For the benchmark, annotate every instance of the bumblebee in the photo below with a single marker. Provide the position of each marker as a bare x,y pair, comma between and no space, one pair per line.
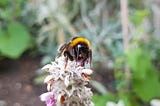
78,49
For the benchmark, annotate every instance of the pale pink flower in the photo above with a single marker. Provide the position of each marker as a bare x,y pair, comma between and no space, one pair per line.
48,98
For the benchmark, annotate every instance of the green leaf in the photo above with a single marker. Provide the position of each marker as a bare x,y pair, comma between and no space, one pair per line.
147,88
145,79
139,62
3,2
129,100
138,16
100,100
6,14
14,41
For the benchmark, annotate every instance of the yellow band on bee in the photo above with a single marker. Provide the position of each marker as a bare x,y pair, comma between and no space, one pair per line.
80,40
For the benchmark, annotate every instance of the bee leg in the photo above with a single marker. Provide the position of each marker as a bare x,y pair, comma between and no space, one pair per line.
66,62
66,59
90,58
82,64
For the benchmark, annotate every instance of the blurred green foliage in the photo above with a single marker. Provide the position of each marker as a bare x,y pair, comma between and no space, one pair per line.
138,16
100,100
14,36
144,80
142,85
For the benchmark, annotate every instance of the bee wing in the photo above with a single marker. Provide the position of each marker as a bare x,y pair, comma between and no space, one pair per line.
61,49
90,57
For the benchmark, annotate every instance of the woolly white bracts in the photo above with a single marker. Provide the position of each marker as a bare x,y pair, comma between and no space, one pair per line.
67,85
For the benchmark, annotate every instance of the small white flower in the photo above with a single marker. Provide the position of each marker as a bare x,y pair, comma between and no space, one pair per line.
111,104
120,103
155,102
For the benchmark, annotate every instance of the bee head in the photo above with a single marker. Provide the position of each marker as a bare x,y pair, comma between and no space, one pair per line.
81,52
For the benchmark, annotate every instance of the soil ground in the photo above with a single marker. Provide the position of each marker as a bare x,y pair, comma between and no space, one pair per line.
16,82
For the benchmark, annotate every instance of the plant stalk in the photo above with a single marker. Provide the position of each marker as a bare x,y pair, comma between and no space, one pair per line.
125,32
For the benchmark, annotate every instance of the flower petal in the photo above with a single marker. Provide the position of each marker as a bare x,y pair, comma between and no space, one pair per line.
87,71
46,96
49,87
48,79
46,67
66,81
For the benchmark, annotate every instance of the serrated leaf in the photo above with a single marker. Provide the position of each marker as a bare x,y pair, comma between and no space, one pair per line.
14,41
